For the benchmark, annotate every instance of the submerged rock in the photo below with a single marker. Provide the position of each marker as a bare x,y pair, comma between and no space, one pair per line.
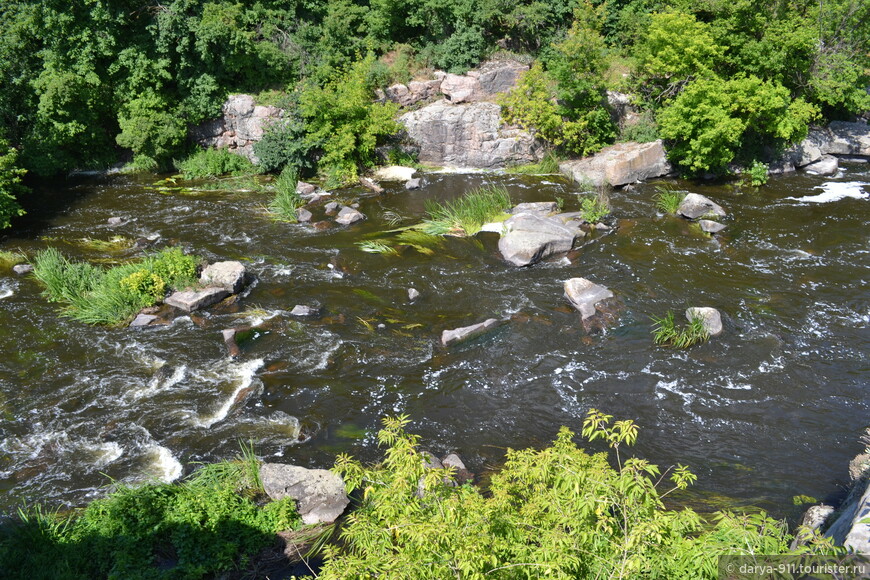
695,206
228,275
190,300
22,269
413,184
319,493
711,227
229,336
142,320
457,335
413,294
302,310
529,238
348,216
115,221
584,294
710,316
619,164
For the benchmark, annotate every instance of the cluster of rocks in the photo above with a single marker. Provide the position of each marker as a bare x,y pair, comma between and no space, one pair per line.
697,207
242,125
216,282
820,152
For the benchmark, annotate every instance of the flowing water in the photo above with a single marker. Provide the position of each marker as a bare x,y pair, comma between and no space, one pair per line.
769,410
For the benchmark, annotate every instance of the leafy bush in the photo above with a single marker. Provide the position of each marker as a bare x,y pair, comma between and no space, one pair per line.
559,512
713,120
667,332
283,145
466,215
112,296
10,184
594,208
152,130
758,173
342,121
207,525
207,163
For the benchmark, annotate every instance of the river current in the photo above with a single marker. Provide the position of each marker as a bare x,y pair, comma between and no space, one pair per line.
769,410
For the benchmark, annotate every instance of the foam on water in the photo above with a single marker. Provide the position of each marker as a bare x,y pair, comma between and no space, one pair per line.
162,464
835,191
241,376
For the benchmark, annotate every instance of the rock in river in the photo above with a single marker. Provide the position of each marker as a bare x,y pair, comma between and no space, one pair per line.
695,206
585,294
348,216
529,238
710,316
190,300
457,335
319,493
228,275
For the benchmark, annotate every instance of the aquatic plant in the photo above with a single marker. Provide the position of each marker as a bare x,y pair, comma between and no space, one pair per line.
96,296
287,200
466,215
377,247
667,332
213,522
210,163
594,208
548,165
668,200
9,259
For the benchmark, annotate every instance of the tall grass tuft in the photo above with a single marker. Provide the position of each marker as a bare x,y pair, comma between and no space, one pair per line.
466,215
668,200
210,163
667,332
286,201
96,296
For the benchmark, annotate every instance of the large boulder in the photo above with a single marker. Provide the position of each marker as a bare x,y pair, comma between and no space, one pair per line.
319,494
243,124
826,165
457,335
529,238
849,138
468,135
695,206
227,275
619,164
584,294
460,88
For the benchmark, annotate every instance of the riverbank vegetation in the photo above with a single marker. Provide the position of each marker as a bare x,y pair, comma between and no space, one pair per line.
215,521
722,82
95,295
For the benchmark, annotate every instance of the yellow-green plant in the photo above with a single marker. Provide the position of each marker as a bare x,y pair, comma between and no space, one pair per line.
667,332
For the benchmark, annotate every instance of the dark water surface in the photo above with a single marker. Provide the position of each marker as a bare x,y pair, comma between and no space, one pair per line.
769,410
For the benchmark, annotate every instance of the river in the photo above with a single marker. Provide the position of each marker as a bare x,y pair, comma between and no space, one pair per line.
769,410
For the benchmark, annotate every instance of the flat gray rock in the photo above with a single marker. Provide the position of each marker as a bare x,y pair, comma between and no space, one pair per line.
319,493
457,335
227,275
348,216
619,164
142,320
543,208
303,215
584,294
695,206
302,310
190,300
22,269
710,316
529,238
711,227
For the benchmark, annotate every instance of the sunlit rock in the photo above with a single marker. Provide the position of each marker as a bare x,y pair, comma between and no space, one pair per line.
319,494
457,335
695,206
709,316
227,275
584,295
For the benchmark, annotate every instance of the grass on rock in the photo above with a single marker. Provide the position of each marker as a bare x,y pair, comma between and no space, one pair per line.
466,215
667,332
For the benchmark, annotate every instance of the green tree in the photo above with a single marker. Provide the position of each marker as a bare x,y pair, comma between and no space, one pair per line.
713,120
10,184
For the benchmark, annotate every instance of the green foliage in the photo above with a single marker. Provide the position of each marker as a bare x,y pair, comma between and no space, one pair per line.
465,215
668,200
152,130
712,120
283,145
558,513
208,163
112,296
377,247
207,525
286,201
9,259
643,130
10,185
594,208
667,332
548,165
343,122
757,173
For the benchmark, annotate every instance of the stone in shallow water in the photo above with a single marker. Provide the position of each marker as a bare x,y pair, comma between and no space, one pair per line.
695,206
302,310
710,316
584,294
303,215
348,216
227,275
827,165
543,208
190,300
457,335
530,238
413,294
711,227
319,493
22,269
143,320
412,184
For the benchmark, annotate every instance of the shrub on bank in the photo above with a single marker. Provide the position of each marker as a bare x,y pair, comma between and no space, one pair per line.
96,296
